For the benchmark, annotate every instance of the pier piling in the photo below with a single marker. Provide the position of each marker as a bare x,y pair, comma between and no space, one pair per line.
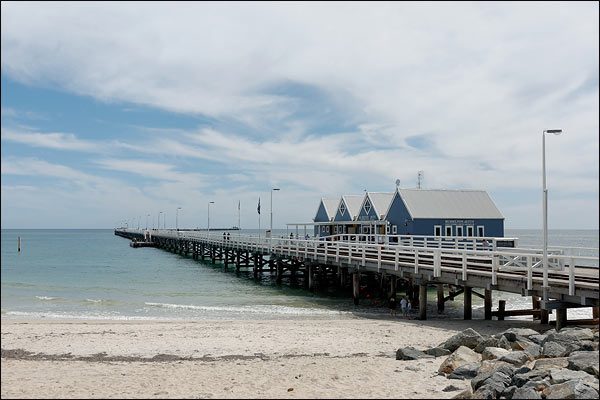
423,301
468,303
487,304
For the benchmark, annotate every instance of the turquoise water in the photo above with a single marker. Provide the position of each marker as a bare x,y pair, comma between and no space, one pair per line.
95,274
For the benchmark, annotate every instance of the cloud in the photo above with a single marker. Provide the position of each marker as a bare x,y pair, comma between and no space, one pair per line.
58,141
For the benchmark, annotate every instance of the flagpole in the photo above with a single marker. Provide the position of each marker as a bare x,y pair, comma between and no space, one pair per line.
239,227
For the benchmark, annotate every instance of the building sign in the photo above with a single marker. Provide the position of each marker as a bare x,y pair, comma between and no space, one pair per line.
459,222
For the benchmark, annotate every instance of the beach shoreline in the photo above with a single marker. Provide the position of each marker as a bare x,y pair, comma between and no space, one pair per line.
291,358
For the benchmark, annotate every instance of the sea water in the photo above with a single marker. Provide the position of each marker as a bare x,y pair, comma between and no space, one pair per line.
93,274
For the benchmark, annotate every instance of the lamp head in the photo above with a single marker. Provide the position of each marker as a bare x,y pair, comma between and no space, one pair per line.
554,131
275,189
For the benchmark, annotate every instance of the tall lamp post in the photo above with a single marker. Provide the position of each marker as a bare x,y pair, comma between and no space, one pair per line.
165,220
208,224
147,215
158,227
177,219
272,190
545,211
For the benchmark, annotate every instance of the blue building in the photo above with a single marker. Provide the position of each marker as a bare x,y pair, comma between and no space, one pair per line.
444,213
325,213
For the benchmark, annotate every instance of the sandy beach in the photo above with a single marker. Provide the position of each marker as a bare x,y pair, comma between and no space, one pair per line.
302,358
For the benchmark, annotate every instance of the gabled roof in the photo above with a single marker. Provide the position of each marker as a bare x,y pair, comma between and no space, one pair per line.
353,203
380,201
464,204
330,207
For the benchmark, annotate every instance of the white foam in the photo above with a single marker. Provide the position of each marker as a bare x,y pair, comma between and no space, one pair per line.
257,309
46,298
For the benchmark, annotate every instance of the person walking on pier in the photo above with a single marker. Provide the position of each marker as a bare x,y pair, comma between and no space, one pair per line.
224,236
392,305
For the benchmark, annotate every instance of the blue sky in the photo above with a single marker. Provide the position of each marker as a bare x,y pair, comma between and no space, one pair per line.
114,111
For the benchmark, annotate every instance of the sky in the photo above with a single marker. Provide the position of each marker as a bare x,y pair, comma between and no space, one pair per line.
114,112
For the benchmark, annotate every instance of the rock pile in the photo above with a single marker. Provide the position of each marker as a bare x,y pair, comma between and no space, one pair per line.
519,363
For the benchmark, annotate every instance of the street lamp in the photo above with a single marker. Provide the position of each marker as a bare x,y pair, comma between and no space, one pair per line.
545,211
272,190
147,215
158,225
177,218
165,220
208,224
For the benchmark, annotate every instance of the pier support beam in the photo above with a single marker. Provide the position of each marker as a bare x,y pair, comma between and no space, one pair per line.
468,303
561,318
501,309
544,315
355,287
487,304
279,275
535,304
343,277
440,298
595,312
392,286
423,301
311,277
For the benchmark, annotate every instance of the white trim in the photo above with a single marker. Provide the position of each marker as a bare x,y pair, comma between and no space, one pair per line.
436,229
369,202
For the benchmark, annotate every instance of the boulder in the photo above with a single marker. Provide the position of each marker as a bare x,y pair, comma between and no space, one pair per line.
526,393
508,392
492,353
512,333
517,358
575,333
534,351
549,363
570,390
588,345
438,352
484,392
560,375
554,350
410,353
506,370
504,343
538,385
467,338
584,361
465,394
520,380
461,356
521,343
491,366
495,383
488,341
466,371
538,339
451,388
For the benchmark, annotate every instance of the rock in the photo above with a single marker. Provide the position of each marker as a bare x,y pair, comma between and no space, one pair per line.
467,338
451,388
489,341
461,356
410,353
508,392
466,371
588,345
521,343
517,358
438,352
538,385
575,333
465,394
584,361
526,393
491,366
549,363
512,333
495,383
502,373
492,353
534,351
570,390
484,392
538,339
522,370
553,350
520,380
504,343
560,375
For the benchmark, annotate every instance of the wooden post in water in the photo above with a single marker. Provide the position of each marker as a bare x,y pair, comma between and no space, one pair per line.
423,301
279,275
487,304
501,309
468,303
561,318
355,287
440,297
19,244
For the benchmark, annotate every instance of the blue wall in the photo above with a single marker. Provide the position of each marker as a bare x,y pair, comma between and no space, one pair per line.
340,217
370,216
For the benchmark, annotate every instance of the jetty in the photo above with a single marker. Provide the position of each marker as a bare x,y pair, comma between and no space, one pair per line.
456,266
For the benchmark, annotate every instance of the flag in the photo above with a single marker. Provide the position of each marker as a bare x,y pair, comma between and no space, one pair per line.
258,208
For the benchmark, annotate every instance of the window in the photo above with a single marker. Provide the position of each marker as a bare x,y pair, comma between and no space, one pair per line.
459,231
437,230
394,230
367,206
342,208
480,230
387,229
448,230
470,230
327,228
365,229
335,229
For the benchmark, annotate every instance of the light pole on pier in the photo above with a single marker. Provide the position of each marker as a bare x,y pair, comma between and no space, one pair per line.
545,287
147,215
165,220
158,225
177,218
272,190
208,223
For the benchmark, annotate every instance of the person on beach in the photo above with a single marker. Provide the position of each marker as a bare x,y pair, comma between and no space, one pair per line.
403,304
408,308
392,305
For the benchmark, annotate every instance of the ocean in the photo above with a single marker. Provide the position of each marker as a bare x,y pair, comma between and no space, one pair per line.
93,274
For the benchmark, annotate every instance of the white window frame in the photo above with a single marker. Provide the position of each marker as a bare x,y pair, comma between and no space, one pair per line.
387,229
470,230
457,228
446,230
482,228
394,230
367,202
365,229
437,230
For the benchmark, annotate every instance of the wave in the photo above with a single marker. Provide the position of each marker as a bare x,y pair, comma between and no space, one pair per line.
257,309
46,298
42,315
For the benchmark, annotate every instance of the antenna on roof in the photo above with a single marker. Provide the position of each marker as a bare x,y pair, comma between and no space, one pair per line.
420,175
397,183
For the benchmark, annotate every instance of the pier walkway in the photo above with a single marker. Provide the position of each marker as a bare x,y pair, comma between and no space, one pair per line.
461,264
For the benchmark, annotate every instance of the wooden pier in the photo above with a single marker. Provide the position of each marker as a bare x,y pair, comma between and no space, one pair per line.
463,269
